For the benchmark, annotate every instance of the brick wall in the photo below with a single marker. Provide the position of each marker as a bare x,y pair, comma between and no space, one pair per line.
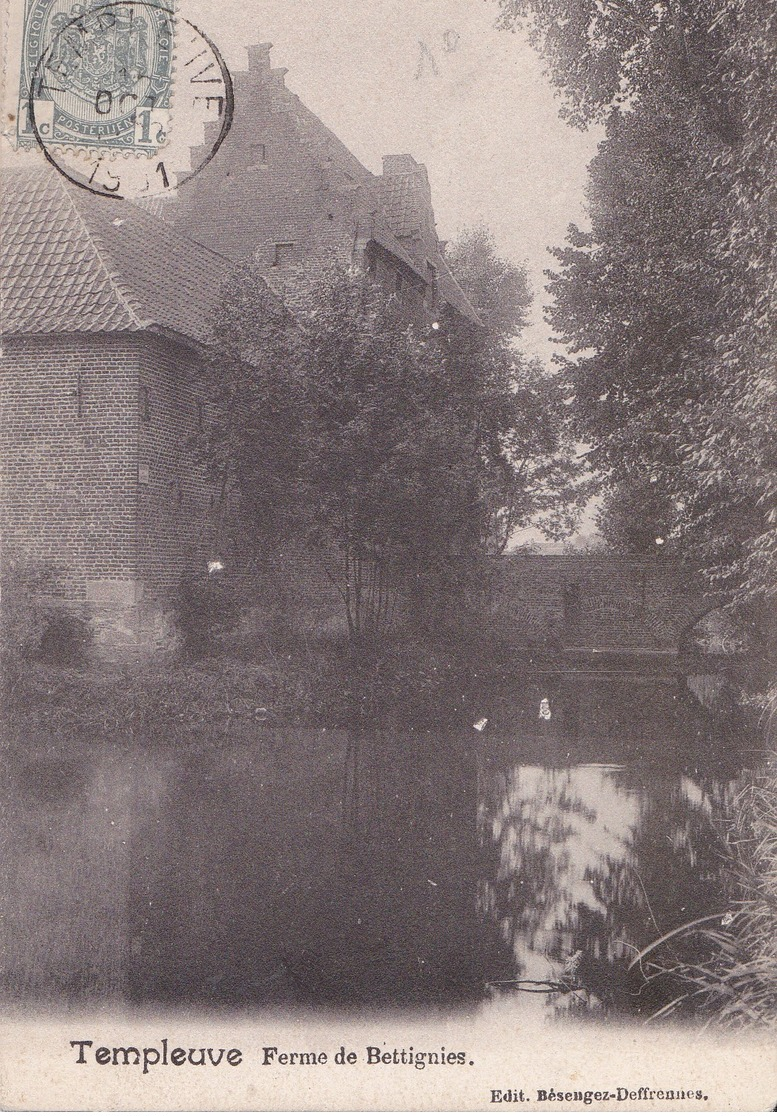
69,454
284,192
101,476
562,601
275,181
595,601
177,518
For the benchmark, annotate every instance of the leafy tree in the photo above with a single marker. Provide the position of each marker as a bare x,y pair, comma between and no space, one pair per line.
390,478
497,288
341,428
529,471
606,53
254,434
637,304
665,302
636,517
400,455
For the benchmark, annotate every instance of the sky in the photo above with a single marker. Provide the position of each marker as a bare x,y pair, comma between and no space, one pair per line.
435,79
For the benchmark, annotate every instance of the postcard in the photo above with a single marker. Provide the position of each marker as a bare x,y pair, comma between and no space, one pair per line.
387,556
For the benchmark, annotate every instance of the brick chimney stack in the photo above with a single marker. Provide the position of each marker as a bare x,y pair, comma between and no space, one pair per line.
399,164
259,59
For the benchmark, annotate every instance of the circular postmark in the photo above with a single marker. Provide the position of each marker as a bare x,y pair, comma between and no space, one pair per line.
126,99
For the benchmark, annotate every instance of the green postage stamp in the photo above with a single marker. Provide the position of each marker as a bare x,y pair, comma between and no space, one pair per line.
124,99
96,75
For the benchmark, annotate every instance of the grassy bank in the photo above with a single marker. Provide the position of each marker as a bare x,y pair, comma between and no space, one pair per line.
336,683
215,697
732,976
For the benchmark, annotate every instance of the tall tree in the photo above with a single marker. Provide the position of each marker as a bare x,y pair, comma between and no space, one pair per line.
665,302
352,430
497,288
531,472
400,454
254,434
389,479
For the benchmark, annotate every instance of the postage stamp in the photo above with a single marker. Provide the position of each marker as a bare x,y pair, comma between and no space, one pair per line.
124,99
96,75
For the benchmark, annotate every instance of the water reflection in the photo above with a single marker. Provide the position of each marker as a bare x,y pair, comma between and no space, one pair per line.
357,885
388,867
597,858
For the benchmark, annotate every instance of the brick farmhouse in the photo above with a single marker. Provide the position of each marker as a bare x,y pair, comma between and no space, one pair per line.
105,312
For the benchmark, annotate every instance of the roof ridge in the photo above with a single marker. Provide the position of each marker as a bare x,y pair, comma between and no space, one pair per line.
150,215
128,302
306,120
308,123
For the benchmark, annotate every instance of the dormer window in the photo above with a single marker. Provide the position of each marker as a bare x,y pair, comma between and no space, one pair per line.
283,255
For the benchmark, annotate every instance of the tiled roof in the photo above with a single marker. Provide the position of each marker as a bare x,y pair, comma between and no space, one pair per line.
75,262
384,236
399,205
408,214
451,292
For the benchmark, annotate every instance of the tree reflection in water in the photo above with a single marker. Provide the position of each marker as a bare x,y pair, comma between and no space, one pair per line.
344,873
598,857
406,928
386,867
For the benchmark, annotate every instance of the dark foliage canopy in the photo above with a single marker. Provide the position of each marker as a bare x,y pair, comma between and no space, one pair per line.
400,454
665,302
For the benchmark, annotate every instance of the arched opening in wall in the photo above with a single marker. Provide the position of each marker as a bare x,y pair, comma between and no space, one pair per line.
714,633
707,645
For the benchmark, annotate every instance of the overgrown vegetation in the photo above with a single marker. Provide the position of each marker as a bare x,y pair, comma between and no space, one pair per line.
666,301
419,682
664,305
398,452
205,702
207,608
727,963
33,624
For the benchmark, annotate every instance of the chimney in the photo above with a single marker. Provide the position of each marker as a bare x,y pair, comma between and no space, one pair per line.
259,59
410,215
399,164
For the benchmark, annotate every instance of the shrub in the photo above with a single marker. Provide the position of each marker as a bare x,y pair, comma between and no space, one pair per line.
206,608
65,639
33,625
22,611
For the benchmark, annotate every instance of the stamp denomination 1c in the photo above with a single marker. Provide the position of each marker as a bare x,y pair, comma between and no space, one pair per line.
127,99
96,75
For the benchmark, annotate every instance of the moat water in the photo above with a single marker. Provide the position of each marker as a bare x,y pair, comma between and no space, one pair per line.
533,857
